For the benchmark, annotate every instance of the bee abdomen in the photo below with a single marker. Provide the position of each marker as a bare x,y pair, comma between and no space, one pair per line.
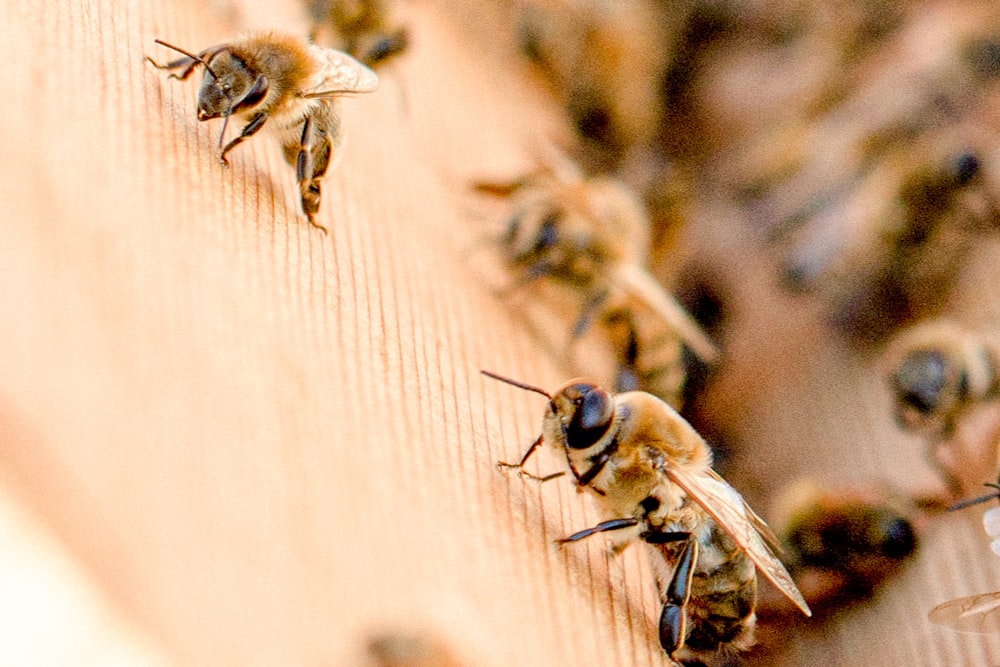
721,608
723,620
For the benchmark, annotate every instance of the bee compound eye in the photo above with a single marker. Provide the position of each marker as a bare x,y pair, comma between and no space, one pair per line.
966,168
920,380
593,410
900,540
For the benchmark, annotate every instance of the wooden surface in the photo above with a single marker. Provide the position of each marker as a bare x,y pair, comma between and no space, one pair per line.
258,445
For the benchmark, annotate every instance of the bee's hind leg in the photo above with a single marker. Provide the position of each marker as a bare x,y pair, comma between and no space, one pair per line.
311,163
673,617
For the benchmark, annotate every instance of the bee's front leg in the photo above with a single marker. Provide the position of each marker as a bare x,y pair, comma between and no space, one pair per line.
519,466
188,65
249,130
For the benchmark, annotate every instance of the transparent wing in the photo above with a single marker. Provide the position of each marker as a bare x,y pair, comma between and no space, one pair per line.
338,74
635,280
727,507
975,613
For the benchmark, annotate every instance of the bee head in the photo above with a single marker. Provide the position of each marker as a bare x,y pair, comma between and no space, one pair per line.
584,412
230,85
926,384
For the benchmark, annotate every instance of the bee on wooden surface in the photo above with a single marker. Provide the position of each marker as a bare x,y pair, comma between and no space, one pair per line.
364,29
979,613
937,371
651,477
592,235
841,545
286,83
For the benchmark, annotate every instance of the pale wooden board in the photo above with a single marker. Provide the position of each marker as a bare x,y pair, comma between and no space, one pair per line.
265,444
50,610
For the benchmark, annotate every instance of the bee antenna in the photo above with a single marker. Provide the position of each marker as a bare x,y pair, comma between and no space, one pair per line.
189,55
969,502
519,385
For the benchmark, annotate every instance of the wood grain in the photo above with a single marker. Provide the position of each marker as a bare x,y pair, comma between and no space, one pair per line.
265,445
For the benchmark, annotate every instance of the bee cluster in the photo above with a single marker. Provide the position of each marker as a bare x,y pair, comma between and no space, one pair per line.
850,149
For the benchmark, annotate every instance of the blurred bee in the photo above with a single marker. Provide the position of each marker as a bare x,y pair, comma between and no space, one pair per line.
651,477
936,372
295,85
914,221
883,190
649,358
931,102
394,648
592,235
841,545
606,62
362,28
981,612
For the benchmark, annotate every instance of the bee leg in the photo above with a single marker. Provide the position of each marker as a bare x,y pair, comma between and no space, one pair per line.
603,527
591,307
311,164
673,618
626,348
499,189
932,455
249,130
519,466
187,63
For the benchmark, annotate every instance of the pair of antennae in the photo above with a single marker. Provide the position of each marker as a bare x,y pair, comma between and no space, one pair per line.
208,68
519,385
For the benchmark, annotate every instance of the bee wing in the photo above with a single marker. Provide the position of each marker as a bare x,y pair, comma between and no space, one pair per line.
338,73
636,281
727,507
765,531
975,613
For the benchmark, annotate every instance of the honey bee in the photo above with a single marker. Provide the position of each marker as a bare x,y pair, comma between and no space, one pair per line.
936,372
651,477
979,613
592,235
362,28
841,545
279,78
